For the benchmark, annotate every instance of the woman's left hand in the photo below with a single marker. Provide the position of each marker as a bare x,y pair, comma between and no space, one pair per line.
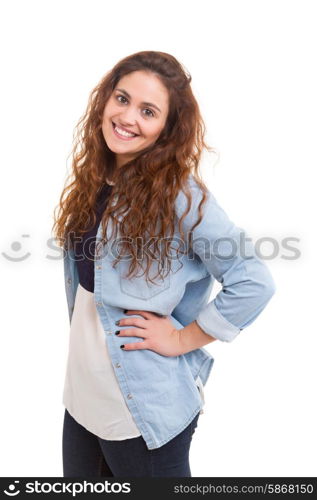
158,332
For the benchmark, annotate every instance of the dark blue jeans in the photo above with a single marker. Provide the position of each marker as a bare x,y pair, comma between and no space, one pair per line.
87,455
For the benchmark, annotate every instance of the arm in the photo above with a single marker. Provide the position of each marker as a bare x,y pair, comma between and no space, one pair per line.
192,337
228,254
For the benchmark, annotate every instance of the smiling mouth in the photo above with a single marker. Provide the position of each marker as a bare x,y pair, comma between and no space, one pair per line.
125,137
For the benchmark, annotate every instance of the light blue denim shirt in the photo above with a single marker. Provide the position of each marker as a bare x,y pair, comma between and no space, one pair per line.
161,391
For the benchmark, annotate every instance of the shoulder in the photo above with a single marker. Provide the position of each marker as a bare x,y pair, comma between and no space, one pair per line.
192,190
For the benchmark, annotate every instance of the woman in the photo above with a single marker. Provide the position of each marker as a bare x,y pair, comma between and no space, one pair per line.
136,365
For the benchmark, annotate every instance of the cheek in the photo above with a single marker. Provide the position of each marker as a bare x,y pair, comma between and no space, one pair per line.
156,133
153,132
106,115
109,111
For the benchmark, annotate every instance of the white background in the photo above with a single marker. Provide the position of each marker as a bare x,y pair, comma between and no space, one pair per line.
253,66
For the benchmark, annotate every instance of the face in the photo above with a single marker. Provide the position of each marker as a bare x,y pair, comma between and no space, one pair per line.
139,106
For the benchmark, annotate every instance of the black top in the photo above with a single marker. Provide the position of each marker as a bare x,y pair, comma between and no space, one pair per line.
84,249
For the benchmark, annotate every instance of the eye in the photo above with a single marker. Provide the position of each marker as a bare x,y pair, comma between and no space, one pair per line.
122,97
125,99
147,109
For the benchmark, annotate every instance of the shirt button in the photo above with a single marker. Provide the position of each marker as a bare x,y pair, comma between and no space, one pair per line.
98,303
98,267
118,365
69,280
129,396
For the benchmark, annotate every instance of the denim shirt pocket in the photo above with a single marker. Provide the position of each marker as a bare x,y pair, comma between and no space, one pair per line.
137,286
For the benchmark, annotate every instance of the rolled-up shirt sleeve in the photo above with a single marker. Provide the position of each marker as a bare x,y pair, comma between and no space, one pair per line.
229,256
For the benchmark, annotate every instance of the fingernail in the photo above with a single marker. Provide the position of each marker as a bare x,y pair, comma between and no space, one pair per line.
122,346
125,311
117,322
117,332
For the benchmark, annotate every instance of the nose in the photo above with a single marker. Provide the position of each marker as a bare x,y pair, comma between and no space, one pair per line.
128,117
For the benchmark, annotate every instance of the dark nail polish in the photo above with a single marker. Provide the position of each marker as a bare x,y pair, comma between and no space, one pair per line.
117,332
117,322
125,311
122,346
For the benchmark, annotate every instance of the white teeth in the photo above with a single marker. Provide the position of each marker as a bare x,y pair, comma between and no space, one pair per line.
124,133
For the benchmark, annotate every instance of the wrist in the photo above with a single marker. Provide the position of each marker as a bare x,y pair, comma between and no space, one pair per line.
192,337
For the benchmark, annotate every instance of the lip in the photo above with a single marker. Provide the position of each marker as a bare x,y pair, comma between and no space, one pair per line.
120,136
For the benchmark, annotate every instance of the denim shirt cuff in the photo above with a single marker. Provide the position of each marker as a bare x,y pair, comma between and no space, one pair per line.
213,323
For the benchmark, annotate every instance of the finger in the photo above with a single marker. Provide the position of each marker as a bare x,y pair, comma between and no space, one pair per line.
134,346
140,322
131,332
145,314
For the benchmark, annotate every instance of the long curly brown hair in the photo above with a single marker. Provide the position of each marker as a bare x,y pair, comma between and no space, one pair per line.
145,187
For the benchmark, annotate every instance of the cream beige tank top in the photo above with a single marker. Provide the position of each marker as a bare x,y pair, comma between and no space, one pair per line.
91,392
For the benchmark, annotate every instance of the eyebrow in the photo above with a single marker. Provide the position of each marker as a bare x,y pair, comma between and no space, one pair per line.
145,103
